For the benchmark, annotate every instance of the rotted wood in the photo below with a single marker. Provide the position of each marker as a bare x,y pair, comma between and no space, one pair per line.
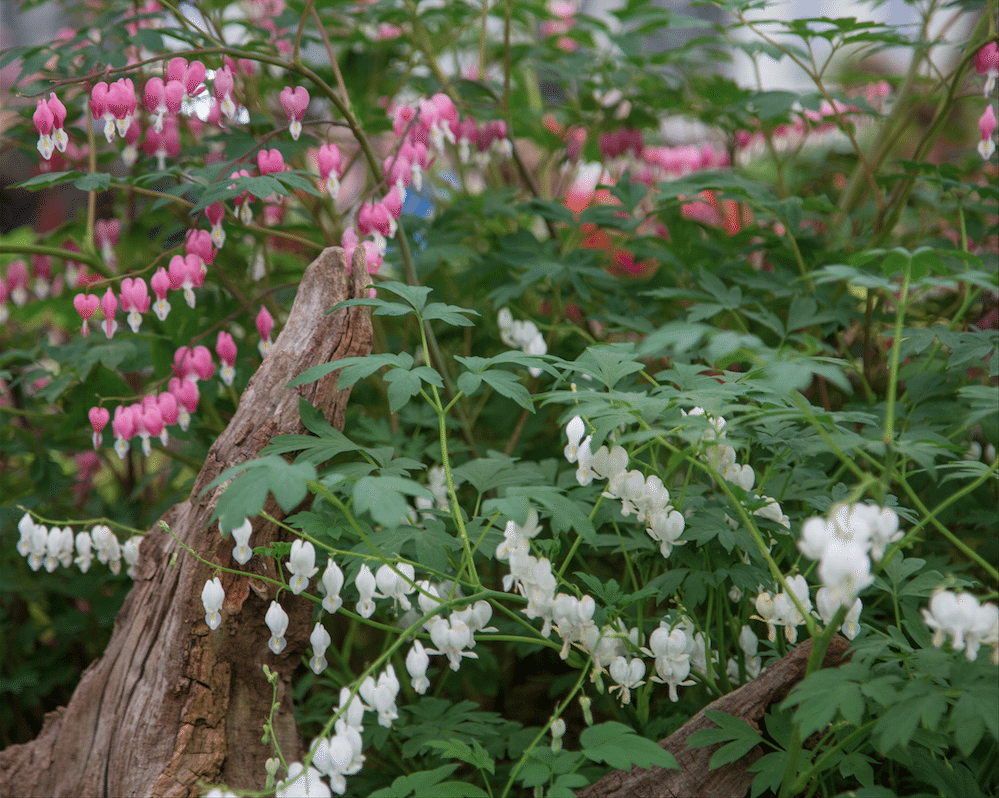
171,705
694,780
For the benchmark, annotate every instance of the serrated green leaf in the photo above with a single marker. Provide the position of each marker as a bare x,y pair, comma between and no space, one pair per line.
619,746
508,385
475,755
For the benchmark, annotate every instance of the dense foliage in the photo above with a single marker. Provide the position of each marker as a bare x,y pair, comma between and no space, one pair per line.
670,373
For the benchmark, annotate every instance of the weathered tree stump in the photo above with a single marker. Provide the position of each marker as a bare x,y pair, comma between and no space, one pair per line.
750,702
171,704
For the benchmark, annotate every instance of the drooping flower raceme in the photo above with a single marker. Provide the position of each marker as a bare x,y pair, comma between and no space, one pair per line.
212,596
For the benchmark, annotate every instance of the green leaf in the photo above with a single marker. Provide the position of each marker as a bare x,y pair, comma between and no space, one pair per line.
608,363
824,693
382,498
451,314
354,368
619,746
508,385
415,295
736,732
245,496
96,181
565,512
48,179
475,755
404,786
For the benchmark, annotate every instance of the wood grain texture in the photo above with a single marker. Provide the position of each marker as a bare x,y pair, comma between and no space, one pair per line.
171,704
694,780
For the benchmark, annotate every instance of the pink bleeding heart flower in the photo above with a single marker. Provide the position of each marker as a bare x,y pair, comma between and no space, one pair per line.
168,410
99,417
243,200
154,97
130,154
106,235
44,119
134,300
150,422
216,213
86,305
295,102
160,283
265,323
125,426
199,244
185,273
223,86
330,169
987,126
987,63
225,348
393,202
121,104
186,394
375,220
100,110
270,161
163,144
398,171
59,135
109,305
194,80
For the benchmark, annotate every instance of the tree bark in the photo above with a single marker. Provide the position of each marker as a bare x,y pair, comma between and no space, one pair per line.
171,705
694,780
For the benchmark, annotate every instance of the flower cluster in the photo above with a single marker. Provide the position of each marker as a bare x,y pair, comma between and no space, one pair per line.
644,497
523,335
968,623
844,545
42,546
